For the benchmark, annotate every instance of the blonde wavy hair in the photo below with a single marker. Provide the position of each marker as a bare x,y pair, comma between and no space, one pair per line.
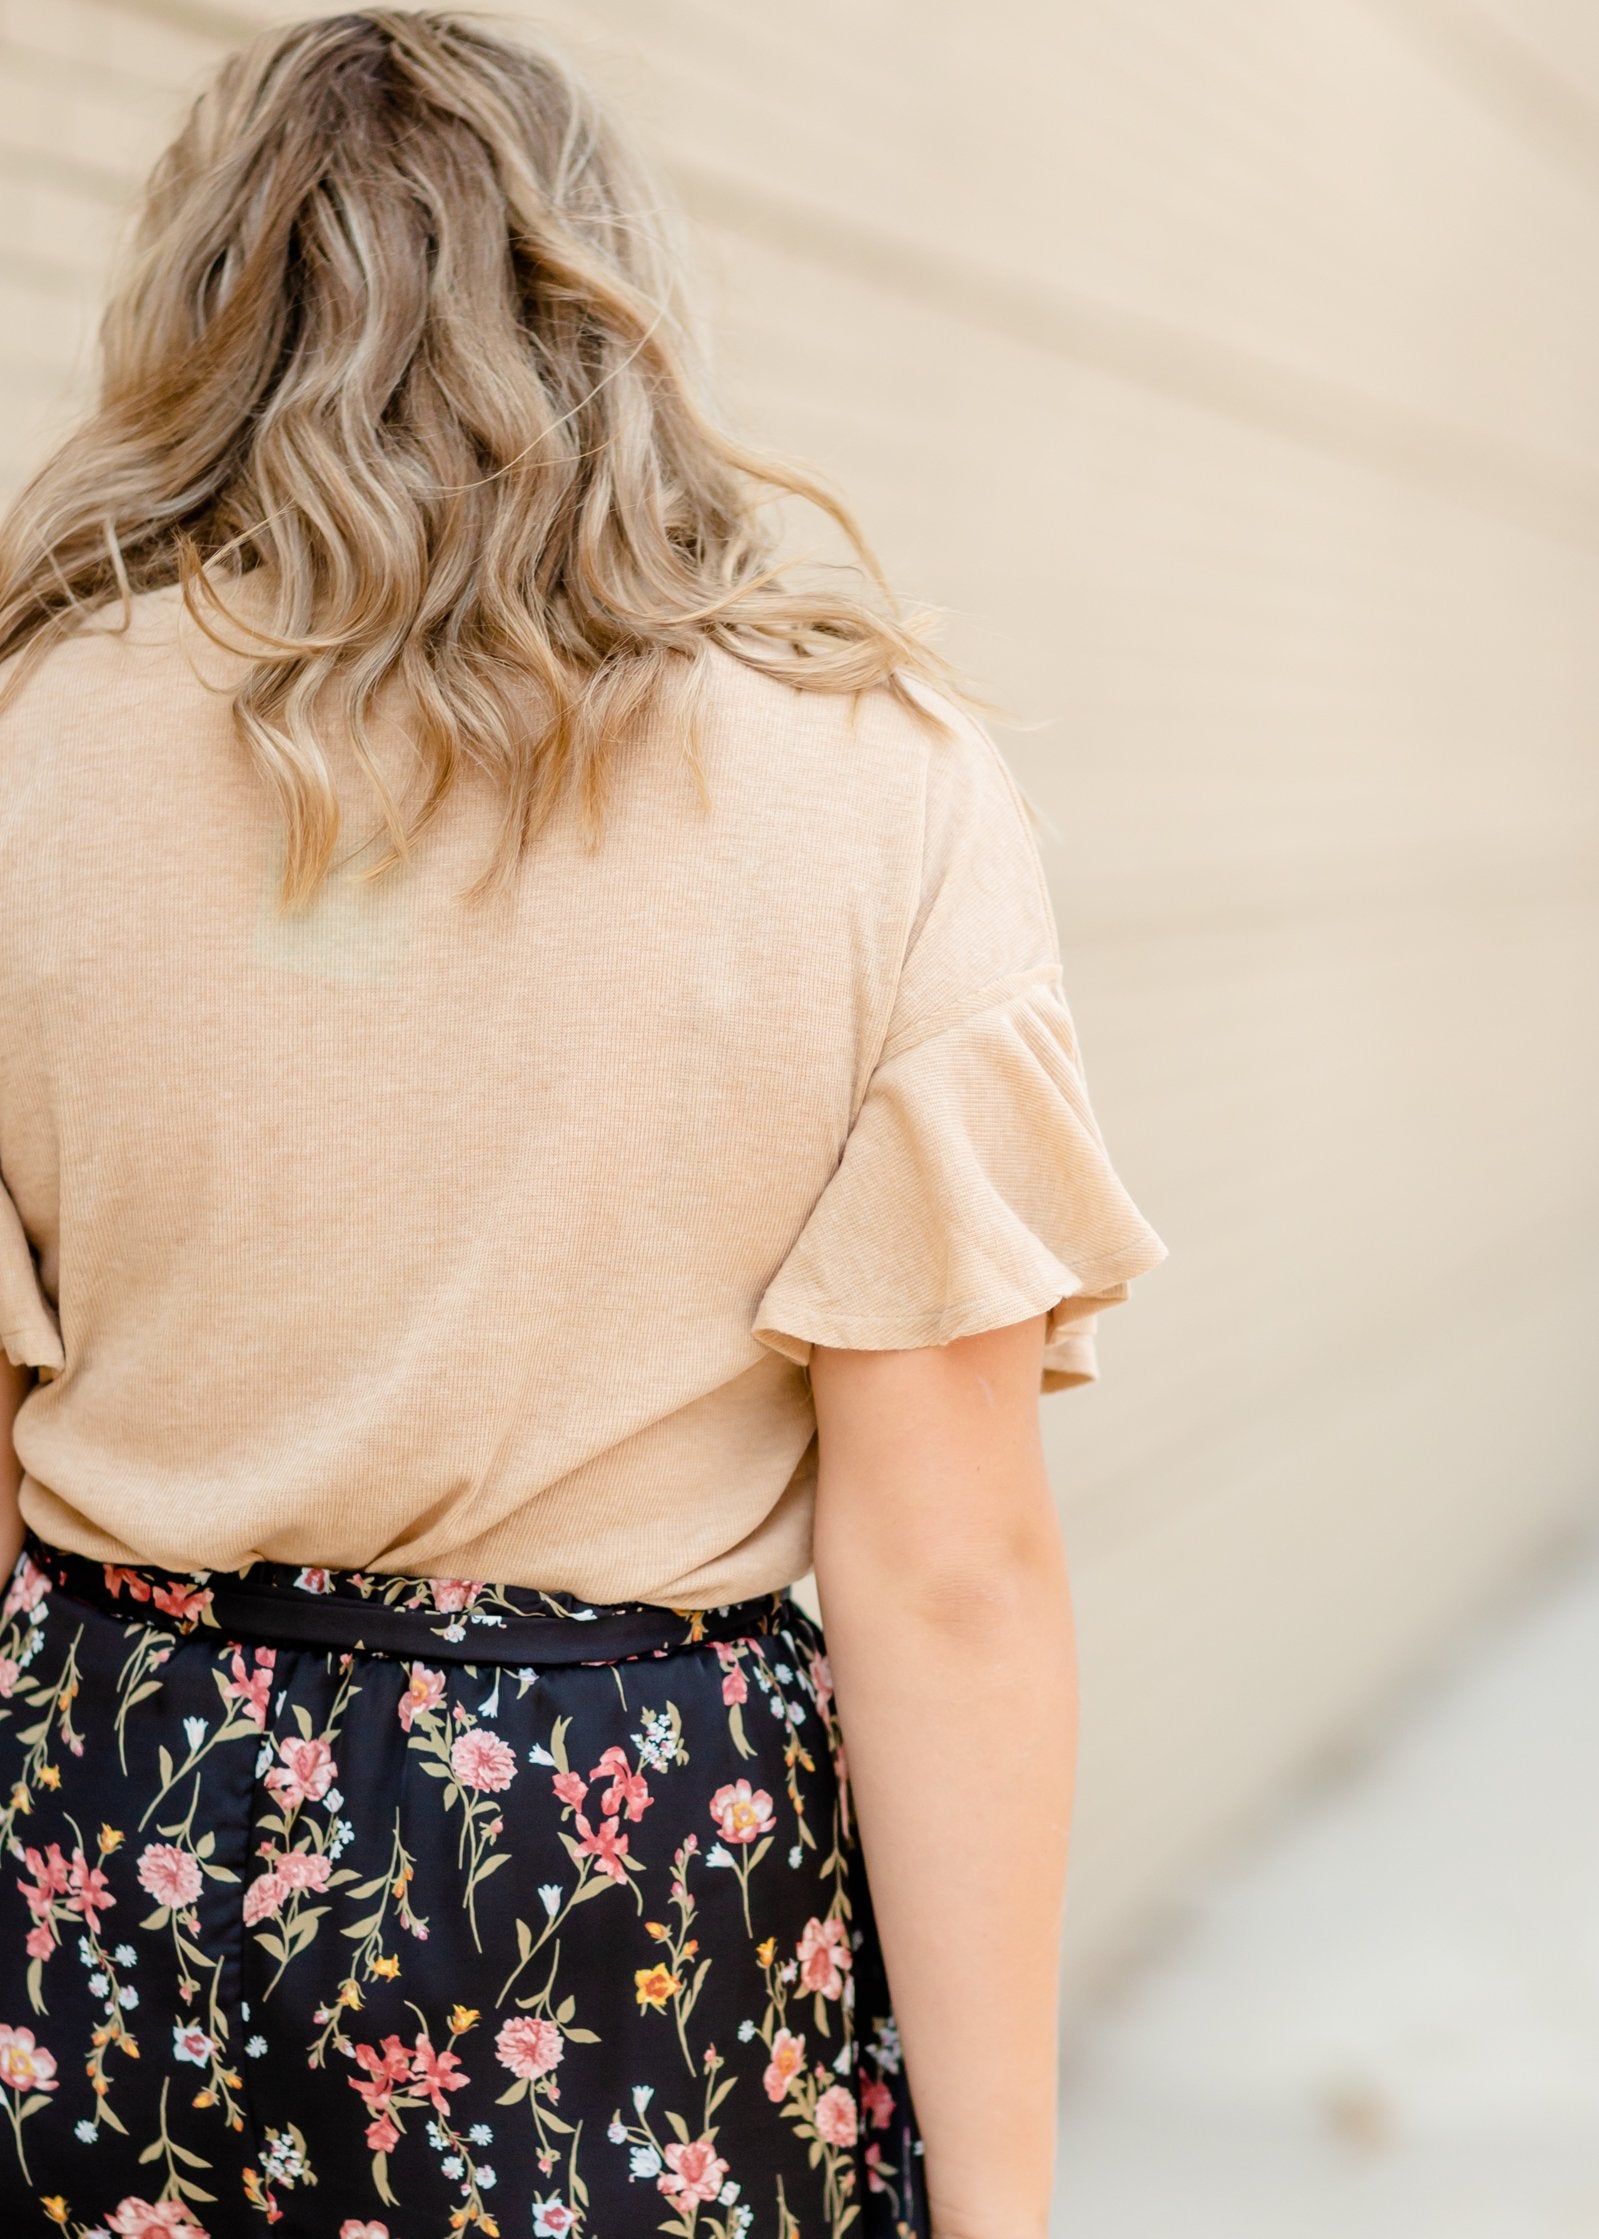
402,338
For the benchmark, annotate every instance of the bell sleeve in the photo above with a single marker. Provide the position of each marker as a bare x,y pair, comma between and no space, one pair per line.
974,1188
29,1330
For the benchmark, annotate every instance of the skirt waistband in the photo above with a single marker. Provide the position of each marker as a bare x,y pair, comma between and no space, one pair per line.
386,1613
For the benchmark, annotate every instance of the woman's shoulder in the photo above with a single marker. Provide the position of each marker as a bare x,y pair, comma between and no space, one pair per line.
903,746
51,667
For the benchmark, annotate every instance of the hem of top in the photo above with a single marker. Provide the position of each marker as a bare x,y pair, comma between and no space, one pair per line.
1095,1283
29,1343
972,1320
1069,1359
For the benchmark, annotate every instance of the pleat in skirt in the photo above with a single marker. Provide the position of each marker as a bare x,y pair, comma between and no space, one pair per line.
380,1907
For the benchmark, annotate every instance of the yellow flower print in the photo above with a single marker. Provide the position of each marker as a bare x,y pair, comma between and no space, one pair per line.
655,1985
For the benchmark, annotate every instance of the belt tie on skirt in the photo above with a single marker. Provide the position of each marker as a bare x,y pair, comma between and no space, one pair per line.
445,1620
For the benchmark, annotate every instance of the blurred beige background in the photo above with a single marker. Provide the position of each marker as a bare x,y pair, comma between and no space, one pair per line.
1230,373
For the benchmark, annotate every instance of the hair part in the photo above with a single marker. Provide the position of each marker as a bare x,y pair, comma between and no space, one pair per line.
402,339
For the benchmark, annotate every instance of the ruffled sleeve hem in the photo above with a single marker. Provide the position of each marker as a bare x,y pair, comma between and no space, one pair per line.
29,1330
974,1191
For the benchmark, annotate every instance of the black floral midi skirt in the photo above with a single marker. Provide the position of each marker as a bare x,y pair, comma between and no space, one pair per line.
379,1907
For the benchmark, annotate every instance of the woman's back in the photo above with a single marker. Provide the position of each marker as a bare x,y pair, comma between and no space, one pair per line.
413,1235
446,1311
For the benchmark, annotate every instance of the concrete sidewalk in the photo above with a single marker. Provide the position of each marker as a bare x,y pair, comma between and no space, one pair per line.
1384,2024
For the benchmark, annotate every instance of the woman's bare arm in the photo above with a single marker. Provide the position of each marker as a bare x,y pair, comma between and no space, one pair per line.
15,1383
944,1592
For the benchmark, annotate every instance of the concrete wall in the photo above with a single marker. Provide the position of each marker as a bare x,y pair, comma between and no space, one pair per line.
1231,374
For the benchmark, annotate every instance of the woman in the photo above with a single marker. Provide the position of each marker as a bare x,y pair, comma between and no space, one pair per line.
536,1099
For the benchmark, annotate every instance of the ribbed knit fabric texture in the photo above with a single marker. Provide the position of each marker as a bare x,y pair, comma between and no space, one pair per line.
493,1243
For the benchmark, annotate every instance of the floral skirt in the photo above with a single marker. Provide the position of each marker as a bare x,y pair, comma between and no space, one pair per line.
380,1907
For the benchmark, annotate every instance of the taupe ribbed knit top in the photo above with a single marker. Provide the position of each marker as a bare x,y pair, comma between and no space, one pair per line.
493,1244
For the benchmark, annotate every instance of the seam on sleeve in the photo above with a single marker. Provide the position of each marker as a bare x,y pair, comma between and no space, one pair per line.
1023,807
994,997
962,721
877,1040
966,719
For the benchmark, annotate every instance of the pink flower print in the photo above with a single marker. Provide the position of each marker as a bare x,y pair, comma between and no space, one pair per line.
24,2064
140,2219
821,1680
51,1874
607,1848
835,2117
88,1891
353,2228
694,2173
263,1900
385,2070
179,1600
171,1874
189,2043
735,1687
877,2101
435,2073
116,1577
824,1956
393,2061
303,1869
306,1773
314,1580
626,1785
570,1787
10,1673
481,1760
40,1942
251,1688
553,2219
529,2046
452,1594
424,1691
27,1589
741,1812
875,2180
788,2058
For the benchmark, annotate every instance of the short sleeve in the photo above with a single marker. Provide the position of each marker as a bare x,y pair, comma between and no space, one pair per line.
975,1188
29,1330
